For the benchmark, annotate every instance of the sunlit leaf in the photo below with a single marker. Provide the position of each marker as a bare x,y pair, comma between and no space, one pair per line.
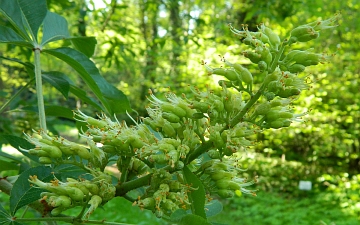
86,45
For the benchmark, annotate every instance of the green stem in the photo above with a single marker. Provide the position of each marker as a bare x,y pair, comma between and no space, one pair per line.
239,117
124,188
39,91
275,61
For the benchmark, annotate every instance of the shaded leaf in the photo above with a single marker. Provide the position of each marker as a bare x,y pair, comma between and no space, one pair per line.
59,111
5,165
82,95
197,197
12,12
86,45
9,36
59,81
213,208
55,28
34,12
112,99
22,193
193,219
18,142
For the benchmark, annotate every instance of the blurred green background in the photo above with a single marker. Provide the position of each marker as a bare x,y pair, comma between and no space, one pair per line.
154,44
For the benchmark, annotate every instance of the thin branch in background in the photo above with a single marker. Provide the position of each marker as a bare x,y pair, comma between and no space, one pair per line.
112,11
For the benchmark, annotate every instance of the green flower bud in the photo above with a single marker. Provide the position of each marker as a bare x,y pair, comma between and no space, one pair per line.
109,149
303,33
201,106
169,130
245,74
222,183
63,201
253,56
269,95
262,65
74,193
198,116
171,117
170,108
276,124
81,151
214,154
38,152
229,74
273,37
274,86
296,68
221,175
225,193
170,205
57,211
285,93
93,188
263,108
147,203
96,123
45,160
53,151
159,159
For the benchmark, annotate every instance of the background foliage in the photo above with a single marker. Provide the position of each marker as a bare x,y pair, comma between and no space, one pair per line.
150,44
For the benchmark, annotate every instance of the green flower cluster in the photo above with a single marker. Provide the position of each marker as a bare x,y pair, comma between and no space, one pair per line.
202,133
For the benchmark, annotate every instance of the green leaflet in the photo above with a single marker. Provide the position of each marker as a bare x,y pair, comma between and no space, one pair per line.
197,197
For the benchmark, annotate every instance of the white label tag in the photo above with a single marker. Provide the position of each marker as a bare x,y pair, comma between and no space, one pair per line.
305,185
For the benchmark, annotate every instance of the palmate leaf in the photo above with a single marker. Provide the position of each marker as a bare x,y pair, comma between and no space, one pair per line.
86,45
12,12
9,36
59,81
22,193
55,28
34,13
112,99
